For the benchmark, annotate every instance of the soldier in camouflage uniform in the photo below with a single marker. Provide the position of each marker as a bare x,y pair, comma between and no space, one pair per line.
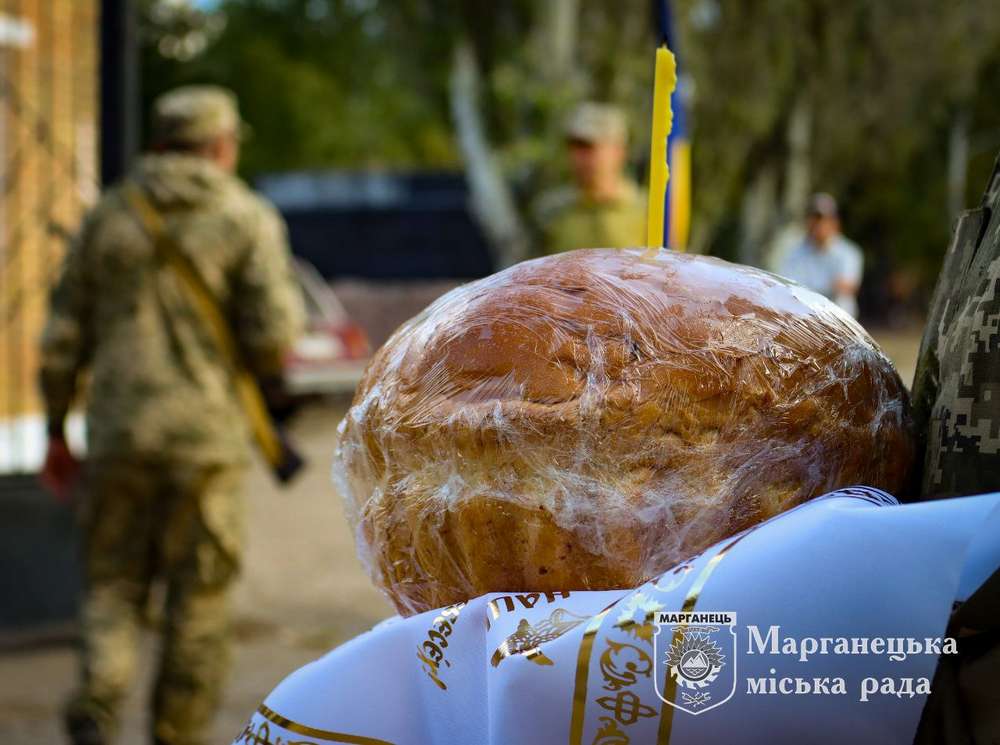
167,441
956,402
605,208
956,390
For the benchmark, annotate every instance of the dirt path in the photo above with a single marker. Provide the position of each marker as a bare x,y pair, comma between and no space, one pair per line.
302,593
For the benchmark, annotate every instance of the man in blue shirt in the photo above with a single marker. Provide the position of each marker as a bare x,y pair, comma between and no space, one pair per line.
825,261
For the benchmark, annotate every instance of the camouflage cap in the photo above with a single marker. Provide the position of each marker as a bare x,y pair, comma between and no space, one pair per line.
194,114
822,204
597,122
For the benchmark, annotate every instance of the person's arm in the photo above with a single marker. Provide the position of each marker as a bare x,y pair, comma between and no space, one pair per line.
65,348
843,287
927,378
268,301
848,280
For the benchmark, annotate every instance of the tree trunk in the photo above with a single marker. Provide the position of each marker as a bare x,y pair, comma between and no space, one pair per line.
491,200
557,38
798,179
958,163
757,213
771,220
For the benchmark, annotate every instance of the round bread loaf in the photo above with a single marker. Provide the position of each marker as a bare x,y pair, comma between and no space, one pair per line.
586,420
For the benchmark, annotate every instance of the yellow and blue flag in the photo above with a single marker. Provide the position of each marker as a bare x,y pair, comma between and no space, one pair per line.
677,209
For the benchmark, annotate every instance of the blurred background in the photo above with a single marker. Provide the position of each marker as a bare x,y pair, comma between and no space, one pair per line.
406,144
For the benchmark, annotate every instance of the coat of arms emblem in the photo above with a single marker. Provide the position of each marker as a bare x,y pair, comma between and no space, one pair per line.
696,659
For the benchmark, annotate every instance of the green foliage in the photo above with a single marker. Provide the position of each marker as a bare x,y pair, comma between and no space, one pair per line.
315,80
882,78
985,126
364,83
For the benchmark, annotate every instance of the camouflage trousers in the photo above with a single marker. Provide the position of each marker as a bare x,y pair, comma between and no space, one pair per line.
143,522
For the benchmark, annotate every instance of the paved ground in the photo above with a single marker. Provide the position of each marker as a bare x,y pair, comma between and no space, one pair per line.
303,593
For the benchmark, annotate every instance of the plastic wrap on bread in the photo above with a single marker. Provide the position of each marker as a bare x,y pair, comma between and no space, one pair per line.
585,420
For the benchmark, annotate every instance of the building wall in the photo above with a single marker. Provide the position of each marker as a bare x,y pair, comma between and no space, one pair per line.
48,170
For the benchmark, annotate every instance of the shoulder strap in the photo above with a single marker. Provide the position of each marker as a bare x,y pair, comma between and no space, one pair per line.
207,309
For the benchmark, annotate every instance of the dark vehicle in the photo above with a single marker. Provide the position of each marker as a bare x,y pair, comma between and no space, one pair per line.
381,225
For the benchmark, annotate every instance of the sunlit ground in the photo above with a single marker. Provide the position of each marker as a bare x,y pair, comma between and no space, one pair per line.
303,592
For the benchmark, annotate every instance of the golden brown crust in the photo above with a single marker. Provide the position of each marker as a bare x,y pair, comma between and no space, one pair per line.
585,420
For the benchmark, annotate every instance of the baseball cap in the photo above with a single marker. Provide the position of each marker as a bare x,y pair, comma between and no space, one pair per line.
822,205
193,114
596,122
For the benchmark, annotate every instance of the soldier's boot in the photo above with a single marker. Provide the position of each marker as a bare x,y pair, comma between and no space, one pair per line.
109,636
194,664
116,563
84,729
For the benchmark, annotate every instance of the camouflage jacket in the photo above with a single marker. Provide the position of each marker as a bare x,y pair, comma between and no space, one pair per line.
956,390
158,387
569,220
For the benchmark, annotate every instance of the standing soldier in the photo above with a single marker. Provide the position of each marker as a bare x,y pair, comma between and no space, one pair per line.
956,390
604,208
956,403
167,439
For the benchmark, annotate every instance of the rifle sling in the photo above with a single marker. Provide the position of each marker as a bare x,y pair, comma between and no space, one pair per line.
206,307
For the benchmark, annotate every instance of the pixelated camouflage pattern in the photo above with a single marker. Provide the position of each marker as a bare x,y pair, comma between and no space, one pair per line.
182,524
956,389
158,385
569,220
